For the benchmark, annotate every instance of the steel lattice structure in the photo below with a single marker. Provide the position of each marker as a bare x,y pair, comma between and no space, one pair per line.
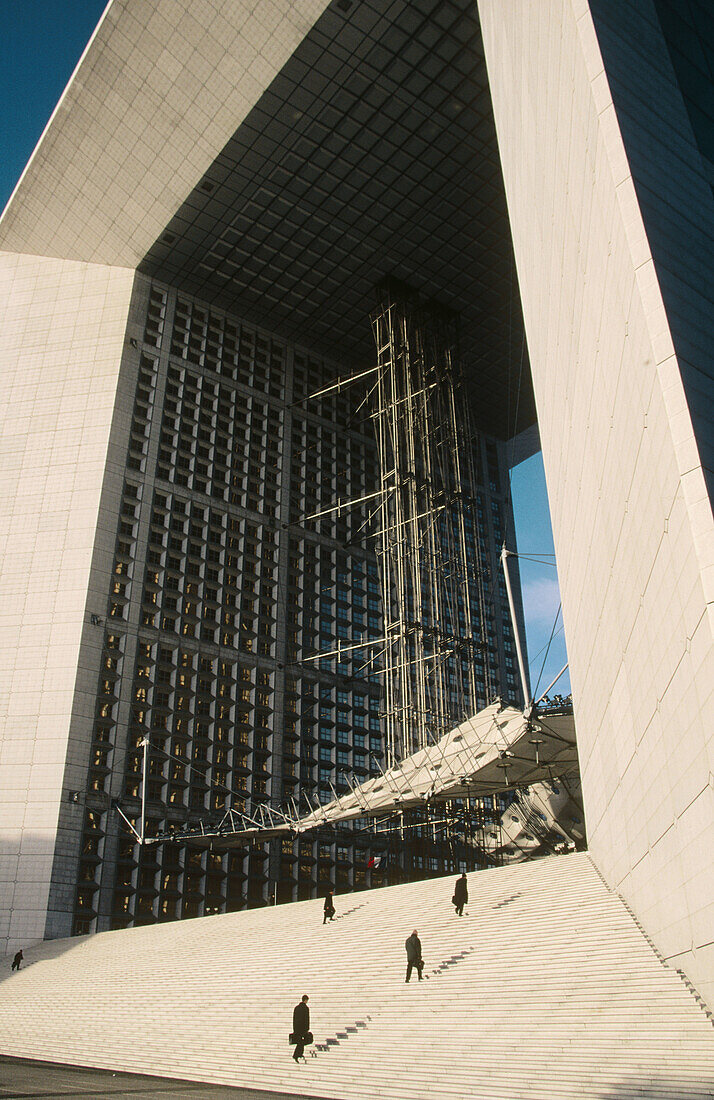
427,545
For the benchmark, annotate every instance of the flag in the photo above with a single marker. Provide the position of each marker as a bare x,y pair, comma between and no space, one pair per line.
374,862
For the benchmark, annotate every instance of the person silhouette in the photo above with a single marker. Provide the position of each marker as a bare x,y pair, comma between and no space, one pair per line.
301,1028
414,959
461,894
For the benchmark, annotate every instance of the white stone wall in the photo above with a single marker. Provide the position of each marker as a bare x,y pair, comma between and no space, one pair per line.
631,516
62,332
161,87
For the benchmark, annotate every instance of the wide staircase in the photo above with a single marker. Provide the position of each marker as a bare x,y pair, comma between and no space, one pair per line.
545,988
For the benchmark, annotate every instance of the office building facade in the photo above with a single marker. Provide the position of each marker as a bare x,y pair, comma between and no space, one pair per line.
206,617
538,169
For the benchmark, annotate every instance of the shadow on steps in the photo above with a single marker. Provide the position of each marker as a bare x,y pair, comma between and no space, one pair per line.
659,1086
352,1029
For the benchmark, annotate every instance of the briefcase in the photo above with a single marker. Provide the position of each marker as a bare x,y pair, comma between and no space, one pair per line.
307,1038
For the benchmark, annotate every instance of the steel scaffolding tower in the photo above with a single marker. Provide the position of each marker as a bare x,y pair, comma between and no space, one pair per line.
434,659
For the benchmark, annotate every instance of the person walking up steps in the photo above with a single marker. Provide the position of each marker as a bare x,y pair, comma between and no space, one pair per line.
17,960
414,959
301,1028
461,895
329,909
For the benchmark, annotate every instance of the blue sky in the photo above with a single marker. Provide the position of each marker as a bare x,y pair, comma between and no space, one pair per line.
41,43
539,579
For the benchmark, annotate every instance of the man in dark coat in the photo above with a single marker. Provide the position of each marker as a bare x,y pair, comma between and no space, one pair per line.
461,894
301,1026
17,960
414,959
328,912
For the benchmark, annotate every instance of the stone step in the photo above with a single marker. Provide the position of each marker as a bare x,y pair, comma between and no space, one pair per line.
546,989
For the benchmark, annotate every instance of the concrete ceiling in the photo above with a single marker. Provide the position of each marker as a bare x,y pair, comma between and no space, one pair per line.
159,90
373,152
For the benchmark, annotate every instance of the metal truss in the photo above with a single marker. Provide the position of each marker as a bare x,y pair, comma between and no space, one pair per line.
427,542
